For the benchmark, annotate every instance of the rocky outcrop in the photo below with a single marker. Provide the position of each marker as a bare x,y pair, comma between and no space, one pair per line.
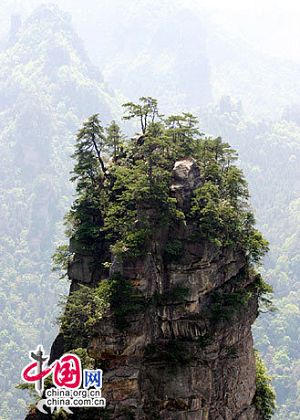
186,177
188,354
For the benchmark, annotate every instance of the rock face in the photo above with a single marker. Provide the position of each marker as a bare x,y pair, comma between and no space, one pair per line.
186,177
189,353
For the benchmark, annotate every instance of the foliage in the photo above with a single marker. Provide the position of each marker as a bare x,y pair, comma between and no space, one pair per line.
87,362
265,293
89,168
220,203
264,398
31,390
87,305
146,111
269,153
84,307
124,301
47,90
85,217
123,204
47,87
123,197
224,305
173,250
61,260
114,139
183,132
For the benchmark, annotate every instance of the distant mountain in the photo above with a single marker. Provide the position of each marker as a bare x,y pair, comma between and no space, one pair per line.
47,87
270,155
265,85
178,54
149,47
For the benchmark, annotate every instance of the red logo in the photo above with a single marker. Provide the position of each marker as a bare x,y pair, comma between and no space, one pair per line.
66,371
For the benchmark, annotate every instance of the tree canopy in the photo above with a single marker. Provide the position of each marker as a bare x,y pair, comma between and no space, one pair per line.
118,179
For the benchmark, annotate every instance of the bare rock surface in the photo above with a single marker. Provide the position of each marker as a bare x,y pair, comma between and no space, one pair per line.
178,358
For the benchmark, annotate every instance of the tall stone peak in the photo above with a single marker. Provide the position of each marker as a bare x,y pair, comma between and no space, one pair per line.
188,354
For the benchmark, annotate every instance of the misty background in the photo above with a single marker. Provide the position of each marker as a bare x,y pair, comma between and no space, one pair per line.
236,65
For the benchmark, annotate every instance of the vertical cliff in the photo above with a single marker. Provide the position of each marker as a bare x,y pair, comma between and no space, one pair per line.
161,262
188,352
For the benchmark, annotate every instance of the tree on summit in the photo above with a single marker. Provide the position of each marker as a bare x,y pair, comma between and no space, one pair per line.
86,215
109,199
89,167
114,139
146,111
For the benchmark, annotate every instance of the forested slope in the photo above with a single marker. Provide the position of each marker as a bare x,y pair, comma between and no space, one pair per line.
48,86
270,155
44,77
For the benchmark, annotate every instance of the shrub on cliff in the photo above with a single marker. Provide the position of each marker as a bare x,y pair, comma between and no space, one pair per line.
87,305
83,308
264,398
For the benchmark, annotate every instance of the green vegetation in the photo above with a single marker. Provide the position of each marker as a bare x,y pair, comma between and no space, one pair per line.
264,398
269,154
87,362
173,251
224,305
47,90
220,204
125,301
120,203
87,305
89,173
265,295
47,87
123,197
61,260
84,307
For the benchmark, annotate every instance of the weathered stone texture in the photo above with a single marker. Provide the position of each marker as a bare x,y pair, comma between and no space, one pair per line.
177,360
214,380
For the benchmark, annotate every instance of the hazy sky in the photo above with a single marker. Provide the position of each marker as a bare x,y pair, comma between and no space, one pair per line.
272,26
